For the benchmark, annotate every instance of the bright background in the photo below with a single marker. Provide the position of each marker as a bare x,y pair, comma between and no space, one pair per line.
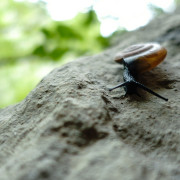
113,14
38,35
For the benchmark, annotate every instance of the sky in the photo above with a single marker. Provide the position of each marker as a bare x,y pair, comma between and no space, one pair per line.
113,14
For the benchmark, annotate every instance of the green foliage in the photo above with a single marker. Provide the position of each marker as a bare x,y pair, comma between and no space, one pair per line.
74,37
20,23
31,44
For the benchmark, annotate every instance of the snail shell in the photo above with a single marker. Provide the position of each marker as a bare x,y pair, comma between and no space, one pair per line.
142,57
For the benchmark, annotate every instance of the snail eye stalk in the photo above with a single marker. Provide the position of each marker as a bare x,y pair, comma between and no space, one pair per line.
118,86
149,90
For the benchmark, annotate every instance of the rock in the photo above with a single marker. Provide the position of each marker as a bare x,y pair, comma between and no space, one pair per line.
70,127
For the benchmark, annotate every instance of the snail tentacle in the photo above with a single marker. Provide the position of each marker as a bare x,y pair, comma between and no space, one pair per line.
149,90
118,86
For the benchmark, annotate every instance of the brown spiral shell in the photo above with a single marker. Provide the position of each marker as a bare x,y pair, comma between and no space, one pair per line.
144,56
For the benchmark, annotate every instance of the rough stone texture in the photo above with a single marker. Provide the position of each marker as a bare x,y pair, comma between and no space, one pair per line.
70,127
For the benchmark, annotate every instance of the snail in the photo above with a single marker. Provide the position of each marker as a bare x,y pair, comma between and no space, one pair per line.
138,59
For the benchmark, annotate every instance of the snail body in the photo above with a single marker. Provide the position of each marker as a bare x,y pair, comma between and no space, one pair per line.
138,59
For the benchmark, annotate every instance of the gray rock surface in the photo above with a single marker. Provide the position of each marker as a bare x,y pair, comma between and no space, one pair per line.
70,127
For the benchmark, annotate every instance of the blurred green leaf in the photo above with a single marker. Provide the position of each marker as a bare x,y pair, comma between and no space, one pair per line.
58,53
91,18
68,32
39,51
